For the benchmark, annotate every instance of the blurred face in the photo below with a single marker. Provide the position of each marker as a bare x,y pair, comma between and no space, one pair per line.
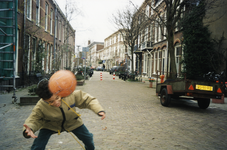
55,101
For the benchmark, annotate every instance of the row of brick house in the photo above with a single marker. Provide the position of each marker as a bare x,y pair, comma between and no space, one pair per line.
46,40
151,50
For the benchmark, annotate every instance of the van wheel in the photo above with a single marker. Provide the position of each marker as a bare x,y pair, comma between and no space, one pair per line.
165,98
203,103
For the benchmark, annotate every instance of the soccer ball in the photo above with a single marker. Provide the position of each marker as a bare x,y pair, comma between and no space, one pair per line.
62,83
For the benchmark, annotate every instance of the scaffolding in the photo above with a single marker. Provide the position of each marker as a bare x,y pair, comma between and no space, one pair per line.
8,38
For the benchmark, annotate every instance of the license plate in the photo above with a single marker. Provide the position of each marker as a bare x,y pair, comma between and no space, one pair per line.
204,87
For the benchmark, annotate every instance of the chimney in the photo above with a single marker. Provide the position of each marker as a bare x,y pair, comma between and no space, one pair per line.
89,42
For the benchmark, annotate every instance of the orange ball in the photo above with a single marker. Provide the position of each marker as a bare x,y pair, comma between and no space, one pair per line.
62,83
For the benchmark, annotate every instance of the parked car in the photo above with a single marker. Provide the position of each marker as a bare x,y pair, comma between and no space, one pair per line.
99,68
121,71
124,73
112,69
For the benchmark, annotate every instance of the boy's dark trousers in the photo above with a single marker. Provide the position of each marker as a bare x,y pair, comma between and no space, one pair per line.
82,133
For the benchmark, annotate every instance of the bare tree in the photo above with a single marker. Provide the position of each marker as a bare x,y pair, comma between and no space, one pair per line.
129,23
67,50
169,21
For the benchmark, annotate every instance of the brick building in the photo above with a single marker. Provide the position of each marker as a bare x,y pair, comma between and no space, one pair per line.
46,40
152,58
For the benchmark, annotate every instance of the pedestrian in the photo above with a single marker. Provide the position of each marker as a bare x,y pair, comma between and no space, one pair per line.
54,114
103,67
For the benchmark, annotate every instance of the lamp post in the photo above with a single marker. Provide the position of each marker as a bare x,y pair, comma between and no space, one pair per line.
78,46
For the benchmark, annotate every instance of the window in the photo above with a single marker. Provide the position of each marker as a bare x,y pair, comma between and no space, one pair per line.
159,31
146,34
63,33
151,32
56,27
159,61
27,48
51,22
29,9
33,58
145,63
43,57
59,35
152,6
156,32
47,59
178,56
46,17
155,62
37,12
163,61
147,10
165,29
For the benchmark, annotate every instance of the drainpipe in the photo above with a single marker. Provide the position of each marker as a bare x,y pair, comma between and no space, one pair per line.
25,16
55,14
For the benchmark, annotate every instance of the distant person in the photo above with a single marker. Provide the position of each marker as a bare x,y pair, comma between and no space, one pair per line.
103,67
54,114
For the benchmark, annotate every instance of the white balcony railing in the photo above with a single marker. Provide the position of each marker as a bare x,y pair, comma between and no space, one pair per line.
146,45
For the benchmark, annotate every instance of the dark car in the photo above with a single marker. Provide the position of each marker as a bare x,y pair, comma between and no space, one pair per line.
113,69
124,73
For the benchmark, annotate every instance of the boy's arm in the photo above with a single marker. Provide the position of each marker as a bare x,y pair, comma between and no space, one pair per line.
85,100
33,122
28,132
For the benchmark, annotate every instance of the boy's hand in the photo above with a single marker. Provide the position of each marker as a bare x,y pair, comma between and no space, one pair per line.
102,114
29,132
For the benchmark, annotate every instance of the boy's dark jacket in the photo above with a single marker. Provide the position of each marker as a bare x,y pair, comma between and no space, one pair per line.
63,118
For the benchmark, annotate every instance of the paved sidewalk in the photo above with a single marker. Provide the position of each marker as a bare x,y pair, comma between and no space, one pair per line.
135,121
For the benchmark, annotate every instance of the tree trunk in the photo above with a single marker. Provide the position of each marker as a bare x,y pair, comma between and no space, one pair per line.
173,70
132,60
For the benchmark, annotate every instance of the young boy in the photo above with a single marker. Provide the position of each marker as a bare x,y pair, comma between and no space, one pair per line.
54,114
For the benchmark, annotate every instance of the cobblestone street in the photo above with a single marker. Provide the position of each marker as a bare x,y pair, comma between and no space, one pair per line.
135,121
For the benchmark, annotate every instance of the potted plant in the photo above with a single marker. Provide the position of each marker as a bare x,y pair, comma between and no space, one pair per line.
31,98
151,80
80,79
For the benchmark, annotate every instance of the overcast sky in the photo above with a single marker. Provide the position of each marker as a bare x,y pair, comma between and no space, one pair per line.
92,21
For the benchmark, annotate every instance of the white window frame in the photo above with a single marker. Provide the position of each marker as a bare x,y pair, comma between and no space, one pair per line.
146,34
47,58
34,50
51,21
147,10
159,61
163,60
151,32
177,57
56,27
29,9
156,32
154,68
59,36
37,12
159,32
145,63
51,57
44,49
29,51
63,33
46,16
